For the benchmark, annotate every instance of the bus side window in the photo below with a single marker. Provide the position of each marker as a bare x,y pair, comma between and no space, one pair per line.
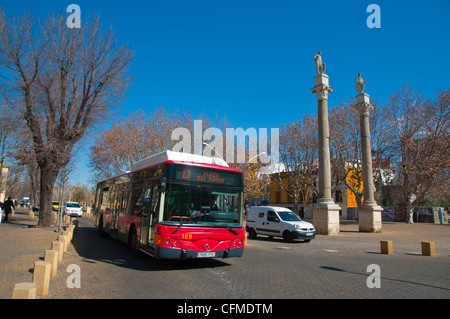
96,200
119,199
147,199
137,201
112,198
154,209
104,198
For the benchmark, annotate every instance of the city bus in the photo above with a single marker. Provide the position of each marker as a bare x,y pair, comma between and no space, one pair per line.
175,206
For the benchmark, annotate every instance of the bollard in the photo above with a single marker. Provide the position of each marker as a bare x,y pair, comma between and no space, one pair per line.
68,234
72,228
65,240
386,247
52,257
24,290
41,276
428,248
58,246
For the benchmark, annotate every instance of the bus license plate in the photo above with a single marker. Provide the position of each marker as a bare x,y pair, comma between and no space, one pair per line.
213,254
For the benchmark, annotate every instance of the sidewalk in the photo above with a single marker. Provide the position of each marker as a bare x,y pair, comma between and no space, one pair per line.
21,244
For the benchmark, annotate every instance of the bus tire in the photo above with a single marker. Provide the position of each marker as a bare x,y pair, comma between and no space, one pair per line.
133,241
100,227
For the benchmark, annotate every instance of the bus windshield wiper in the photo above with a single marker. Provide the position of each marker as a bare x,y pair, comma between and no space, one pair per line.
181,223
233,231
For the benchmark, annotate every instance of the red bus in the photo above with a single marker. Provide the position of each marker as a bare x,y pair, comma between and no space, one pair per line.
175,206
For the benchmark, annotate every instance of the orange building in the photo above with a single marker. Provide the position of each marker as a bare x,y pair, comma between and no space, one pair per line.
354,178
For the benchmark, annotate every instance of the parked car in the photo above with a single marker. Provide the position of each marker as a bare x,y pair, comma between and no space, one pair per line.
73,209
55,206
276,221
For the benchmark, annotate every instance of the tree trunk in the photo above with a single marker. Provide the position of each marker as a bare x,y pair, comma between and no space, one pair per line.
409,213
48,178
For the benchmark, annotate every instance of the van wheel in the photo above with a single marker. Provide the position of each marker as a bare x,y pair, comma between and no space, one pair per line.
287,236
252,233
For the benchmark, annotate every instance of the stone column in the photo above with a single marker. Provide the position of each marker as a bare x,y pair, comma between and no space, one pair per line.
325,212
369,214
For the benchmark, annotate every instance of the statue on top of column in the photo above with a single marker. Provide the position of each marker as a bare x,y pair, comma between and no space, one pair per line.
360,84
320,65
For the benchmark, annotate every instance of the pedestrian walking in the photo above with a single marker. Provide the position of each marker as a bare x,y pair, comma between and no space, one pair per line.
8,206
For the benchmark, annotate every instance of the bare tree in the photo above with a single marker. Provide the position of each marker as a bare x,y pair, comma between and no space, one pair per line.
420,140
61,81
256,179
134,138
6,126
299,155
345,147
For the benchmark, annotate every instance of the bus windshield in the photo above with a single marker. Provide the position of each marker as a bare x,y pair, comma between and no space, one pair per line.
212,206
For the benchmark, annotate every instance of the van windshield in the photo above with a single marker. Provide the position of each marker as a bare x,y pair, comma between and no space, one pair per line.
289,216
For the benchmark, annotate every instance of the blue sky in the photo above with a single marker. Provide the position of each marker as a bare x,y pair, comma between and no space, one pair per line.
252,61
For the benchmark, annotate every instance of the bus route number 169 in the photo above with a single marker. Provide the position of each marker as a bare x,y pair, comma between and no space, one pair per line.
186,236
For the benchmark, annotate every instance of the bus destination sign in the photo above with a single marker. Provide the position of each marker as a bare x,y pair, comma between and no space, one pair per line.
206,175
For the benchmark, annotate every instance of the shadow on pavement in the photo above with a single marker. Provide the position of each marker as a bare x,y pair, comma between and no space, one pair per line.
94,248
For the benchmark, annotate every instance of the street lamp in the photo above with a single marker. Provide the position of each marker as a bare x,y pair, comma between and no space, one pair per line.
262,153
215,152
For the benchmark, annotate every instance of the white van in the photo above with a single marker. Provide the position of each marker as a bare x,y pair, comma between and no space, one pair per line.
276,221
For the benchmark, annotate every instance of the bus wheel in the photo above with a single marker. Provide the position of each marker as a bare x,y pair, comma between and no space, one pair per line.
132,242
100,227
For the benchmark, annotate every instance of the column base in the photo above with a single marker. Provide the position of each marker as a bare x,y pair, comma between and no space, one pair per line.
326,218
370,219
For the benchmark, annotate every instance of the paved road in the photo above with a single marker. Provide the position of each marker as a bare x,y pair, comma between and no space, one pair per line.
327,267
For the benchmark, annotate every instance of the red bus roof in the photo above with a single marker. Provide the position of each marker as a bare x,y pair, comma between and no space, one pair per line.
167,157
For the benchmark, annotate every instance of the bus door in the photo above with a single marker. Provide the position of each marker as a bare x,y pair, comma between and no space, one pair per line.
149,216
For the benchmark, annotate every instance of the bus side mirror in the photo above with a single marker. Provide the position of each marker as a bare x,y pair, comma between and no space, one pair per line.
162,184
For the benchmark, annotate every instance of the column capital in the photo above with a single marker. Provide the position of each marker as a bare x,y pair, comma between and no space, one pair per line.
321,86
363,104
322,92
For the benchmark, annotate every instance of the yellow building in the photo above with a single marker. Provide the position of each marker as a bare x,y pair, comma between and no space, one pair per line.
282,195
343,196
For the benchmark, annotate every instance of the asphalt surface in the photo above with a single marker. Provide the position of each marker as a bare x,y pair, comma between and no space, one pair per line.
270,269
